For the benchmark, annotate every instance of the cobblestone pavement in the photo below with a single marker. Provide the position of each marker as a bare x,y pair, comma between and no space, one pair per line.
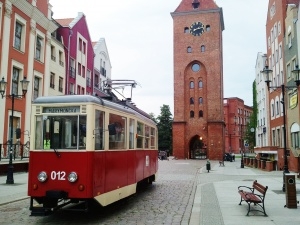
168,201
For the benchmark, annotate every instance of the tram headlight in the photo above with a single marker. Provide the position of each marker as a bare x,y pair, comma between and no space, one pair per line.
72,177
42,177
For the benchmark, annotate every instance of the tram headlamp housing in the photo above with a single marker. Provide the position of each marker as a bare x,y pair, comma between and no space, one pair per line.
42,177
72,177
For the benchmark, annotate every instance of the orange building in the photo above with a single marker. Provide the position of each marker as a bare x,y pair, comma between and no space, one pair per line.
198,126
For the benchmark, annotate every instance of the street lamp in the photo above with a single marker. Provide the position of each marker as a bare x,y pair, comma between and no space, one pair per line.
266,71
24,83
240,140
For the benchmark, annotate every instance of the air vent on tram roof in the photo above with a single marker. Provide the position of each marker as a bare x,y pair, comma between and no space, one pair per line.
83,109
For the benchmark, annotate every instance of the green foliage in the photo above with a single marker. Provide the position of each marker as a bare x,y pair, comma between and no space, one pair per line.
164,125
250,136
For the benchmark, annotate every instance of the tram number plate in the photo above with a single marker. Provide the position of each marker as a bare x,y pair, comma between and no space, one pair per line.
58,175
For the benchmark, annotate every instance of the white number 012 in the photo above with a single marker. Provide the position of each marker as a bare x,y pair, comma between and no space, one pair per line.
59,175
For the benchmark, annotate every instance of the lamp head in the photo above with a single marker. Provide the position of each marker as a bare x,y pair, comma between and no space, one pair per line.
3,84
296,73
24,84
266,71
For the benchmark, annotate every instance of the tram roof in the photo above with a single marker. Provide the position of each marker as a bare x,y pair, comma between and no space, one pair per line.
92,99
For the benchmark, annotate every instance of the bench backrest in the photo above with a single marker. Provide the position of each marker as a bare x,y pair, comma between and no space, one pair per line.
260,188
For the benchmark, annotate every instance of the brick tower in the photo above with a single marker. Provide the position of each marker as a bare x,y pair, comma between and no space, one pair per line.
198,126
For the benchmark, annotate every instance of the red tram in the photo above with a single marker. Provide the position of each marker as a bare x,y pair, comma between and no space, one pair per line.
84,147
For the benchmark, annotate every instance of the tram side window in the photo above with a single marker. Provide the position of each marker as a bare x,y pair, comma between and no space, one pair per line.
99,128
131,133
117,131
152,137
140,135
147,136
39,132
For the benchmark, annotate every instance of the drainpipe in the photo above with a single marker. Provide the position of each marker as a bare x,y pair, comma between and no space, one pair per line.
68,68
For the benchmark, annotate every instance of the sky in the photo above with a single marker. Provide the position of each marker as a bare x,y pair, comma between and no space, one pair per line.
139,38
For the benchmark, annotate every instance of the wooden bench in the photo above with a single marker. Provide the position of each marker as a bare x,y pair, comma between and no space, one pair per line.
250,195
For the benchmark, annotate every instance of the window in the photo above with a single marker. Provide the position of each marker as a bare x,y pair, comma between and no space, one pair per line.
191,84
96,83
60,84
186,30
195,67
83,71
200,84
192,114
18,36
207,27
99,129
288,69
52,80
38,48
72,91
79,69
272,110
202,48
140,135
36,87
295,139
53,53
200,113
200,101
131,133
192,101
80,45
61,58
84,47
60,132
189,49
15,80
290,40
277,108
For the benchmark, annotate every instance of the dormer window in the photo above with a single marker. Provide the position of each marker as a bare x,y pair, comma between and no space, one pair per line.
196,4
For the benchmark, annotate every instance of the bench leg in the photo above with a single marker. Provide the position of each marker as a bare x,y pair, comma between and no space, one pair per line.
248,209
241,201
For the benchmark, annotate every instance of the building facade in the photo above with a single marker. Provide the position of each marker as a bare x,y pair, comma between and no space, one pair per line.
26,28
237,116
198,125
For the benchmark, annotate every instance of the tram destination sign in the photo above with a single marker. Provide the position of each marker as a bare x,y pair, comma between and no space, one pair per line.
70,109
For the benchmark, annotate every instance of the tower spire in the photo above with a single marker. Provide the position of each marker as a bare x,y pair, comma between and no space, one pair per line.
195,4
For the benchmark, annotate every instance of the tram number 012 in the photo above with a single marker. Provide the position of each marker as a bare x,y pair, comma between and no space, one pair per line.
59,175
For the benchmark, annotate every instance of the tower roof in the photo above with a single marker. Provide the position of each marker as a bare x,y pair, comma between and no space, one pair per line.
188,5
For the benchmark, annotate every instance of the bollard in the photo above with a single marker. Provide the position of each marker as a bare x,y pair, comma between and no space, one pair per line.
208,166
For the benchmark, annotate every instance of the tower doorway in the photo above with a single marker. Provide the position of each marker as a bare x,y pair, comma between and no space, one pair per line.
198,149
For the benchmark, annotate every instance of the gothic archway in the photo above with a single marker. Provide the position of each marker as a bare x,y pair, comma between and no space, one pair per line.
198,148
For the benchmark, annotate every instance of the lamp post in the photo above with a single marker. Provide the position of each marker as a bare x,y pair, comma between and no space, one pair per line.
240,140
24,83
283,87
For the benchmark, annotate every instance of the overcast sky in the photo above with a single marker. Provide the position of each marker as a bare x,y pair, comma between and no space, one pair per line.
139,38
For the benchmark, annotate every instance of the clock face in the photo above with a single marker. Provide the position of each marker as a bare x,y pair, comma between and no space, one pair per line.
197,29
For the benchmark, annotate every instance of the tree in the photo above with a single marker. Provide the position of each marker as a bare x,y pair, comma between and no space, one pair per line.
152,115
250,136
164,125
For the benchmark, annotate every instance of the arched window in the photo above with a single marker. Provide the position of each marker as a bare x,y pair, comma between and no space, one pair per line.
189,49
202,48
200,84
191,84
192,114
186,30
192,101
207,27
200,101
200,113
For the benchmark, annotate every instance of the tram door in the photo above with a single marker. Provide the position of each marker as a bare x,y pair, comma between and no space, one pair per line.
197,149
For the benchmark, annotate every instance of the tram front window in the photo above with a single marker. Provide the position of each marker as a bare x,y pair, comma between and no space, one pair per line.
60,132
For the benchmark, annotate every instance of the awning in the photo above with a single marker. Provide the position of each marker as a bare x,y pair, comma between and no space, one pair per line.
266,152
